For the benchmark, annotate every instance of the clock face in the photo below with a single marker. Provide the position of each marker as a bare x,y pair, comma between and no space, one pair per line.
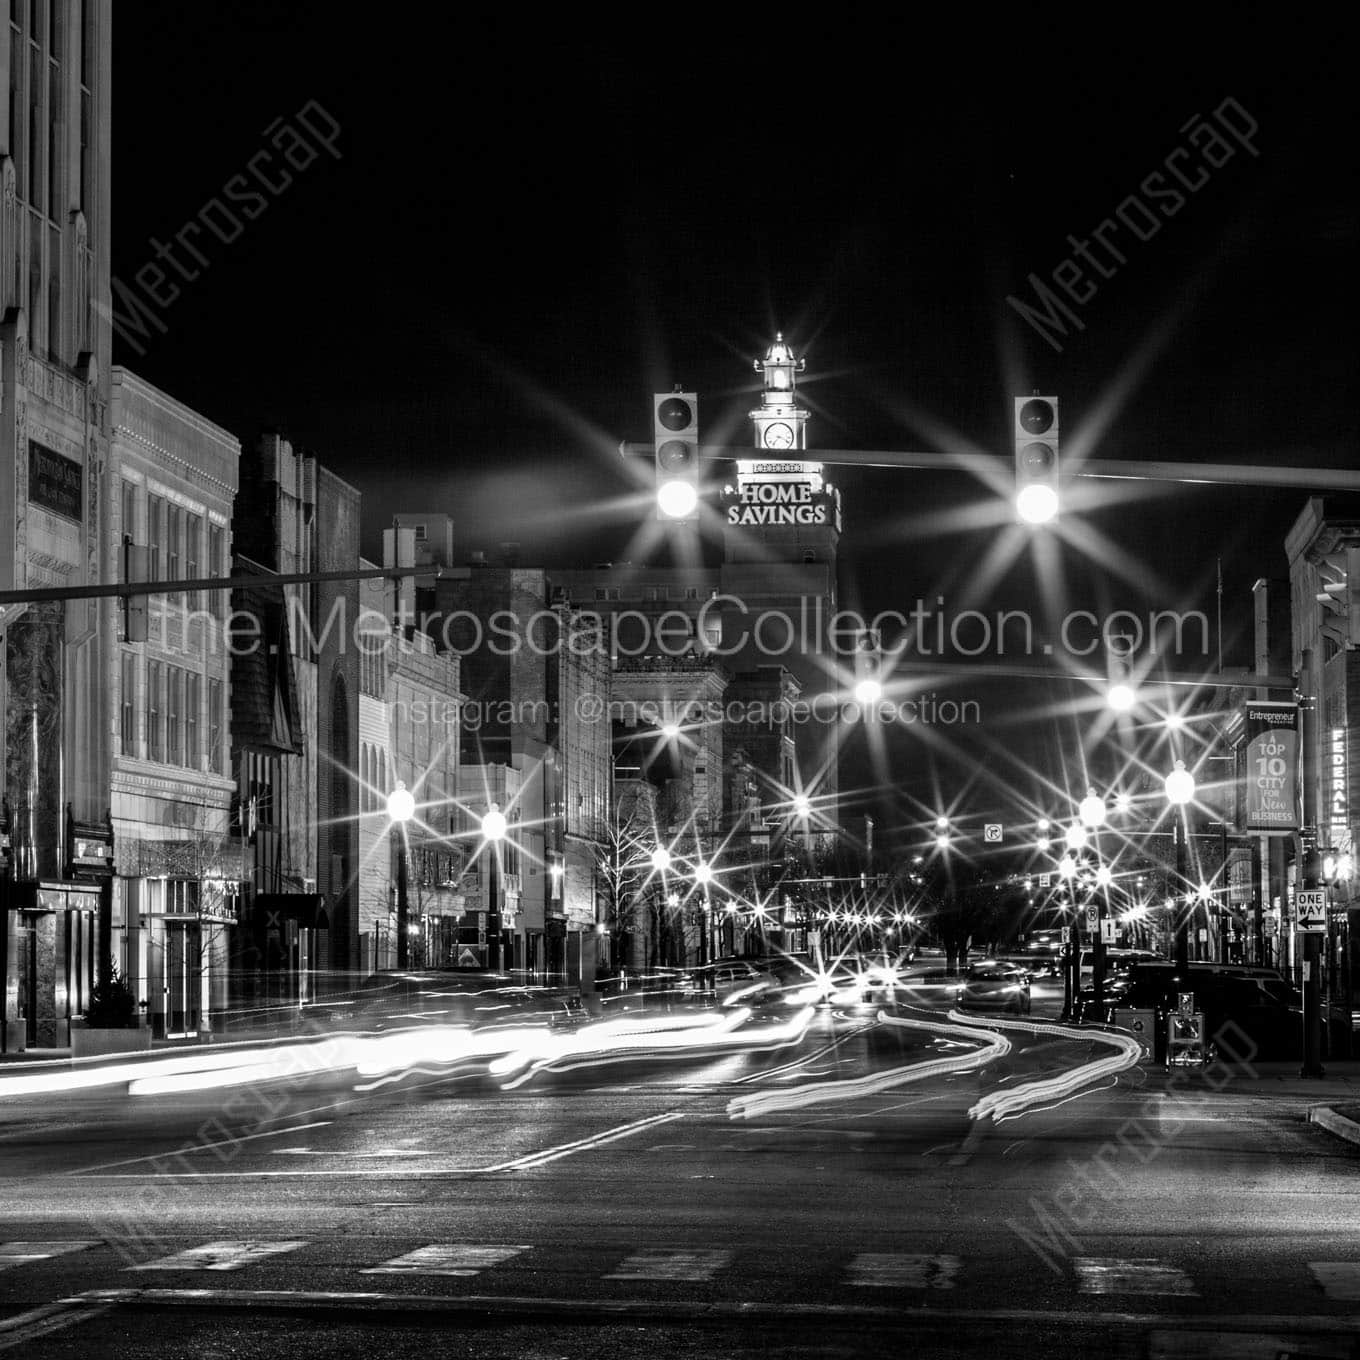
778,436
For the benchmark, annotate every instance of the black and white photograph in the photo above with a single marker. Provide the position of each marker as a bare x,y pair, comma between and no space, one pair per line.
678,684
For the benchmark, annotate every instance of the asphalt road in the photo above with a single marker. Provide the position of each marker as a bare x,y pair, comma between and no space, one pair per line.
790,1202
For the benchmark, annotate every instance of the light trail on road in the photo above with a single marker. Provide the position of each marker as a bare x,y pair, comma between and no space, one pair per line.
990,1047
1001,1105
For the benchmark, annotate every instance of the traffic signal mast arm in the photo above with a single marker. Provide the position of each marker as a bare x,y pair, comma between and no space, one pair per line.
986,464
262,581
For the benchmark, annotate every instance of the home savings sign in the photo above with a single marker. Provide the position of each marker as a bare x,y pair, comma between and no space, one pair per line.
765,503
1272,768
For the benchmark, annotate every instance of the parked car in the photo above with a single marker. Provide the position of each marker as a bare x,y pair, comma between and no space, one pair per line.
476,997
996,985
1248,1012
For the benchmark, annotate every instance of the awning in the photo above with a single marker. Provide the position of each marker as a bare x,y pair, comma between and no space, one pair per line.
271,910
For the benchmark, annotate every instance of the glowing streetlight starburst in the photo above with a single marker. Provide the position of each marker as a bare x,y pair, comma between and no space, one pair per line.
401,804
1180,785
1121,697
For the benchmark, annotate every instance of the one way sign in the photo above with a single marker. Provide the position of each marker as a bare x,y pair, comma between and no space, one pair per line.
1311,905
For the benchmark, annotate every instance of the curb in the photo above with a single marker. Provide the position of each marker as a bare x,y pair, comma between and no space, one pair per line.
1334,1123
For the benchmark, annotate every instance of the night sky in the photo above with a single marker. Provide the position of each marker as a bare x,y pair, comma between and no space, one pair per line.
530,227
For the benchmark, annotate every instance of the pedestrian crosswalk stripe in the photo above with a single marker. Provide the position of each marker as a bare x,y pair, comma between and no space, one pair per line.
653,1264
1340,1280
22,1253
445,1258
231,1255
902,1270
1140,1275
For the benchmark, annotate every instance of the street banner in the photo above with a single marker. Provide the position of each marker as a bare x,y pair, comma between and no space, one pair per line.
1272,768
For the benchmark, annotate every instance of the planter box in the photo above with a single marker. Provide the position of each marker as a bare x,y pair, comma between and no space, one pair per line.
93,1043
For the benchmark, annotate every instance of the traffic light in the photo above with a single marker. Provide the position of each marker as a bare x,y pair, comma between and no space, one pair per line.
1036,458
868,668
676,439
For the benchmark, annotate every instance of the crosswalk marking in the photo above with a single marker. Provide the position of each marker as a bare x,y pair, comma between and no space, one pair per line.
22,1253
1340,1280
445,1258
231,1255
902,1270
1140,1275
654,1264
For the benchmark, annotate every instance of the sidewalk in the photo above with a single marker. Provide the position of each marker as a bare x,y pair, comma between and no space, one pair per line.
1331,1101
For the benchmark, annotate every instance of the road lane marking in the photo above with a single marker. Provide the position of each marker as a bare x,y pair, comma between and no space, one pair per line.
199,1147
1137,1275
1340,1280
21,1253
553,1154
229,1255
446,1258
407,1304
346,1152
652,1263
899,1270
23,1328
527,1162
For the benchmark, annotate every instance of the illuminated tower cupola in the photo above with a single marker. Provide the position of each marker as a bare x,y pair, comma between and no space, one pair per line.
780,424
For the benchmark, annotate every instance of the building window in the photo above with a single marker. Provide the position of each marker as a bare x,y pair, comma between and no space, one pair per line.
155,537
193,547
192,686
129,502
155,708
174,714
217,559
174,533
215,726
420,533
127,722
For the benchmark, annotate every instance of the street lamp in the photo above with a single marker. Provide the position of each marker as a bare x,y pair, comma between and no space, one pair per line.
1180,789
1121,697
1076,836
661,859
401,807
1092,810
703,877
494,828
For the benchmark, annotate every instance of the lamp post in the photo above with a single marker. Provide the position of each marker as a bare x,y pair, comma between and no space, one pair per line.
494,828
703,876
1092,813
1067,871
1180,789
401,807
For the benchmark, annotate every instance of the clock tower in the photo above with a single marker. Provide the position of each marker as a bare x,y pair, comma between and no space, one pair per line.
781,425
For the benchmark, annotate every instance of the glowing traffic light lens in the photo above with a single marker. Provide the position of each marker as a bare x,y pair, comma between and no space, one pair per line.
1037,504
677,500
